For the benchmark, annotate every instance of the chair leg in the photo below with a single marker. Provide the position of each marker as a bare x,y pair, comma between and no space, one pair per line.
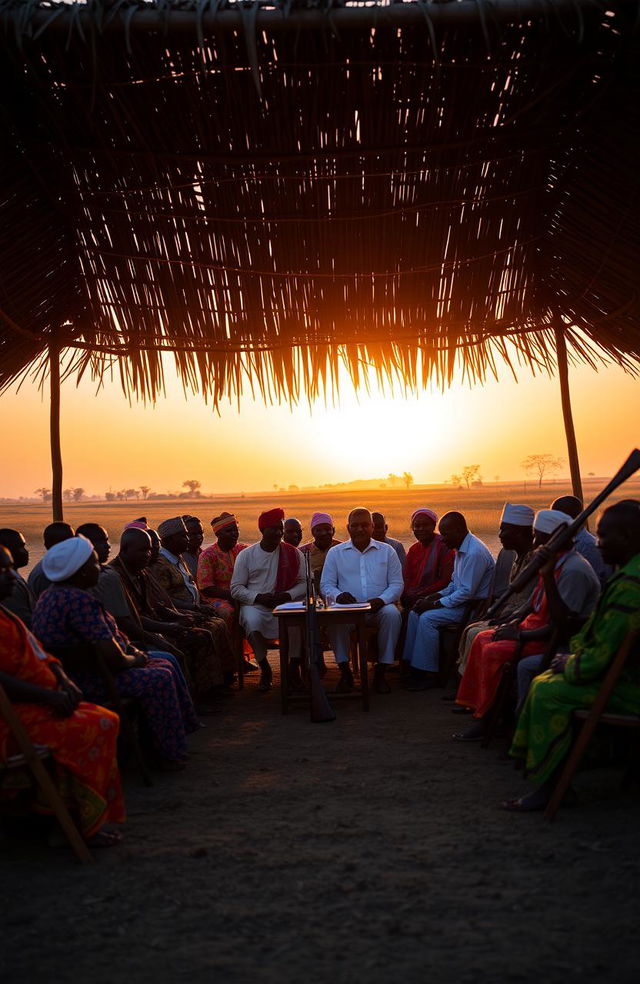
63,816
497,709
568,772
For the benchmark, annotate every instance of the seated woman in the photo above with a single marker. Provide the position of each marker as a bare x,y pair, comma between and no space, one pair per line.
429,564
81,737
67,616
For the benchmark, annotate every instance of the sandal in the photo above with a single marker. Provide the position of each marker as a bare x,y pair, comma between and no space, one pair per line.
105,838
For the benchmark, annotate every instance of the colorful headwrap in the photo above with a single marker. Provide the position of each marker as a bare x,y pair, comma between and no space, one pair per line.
320,519
137,524
425,512
270,518
220,522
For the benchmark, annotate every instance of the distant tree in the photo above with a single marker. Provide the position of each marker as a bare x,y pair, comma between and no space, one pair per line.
45,494
293,488
275,488
67,495
77,494
131,494
496,478
456,480
393,480
470,473
145,489
193,485
407,478
541,465
591,474
110,496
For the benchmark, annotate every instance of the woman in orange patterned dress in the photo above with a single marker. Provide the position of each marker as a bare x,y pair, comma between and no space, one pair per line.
81,737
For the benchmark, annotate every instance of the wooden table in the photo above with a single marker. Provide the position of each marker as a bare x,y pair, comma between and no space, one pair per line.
326,617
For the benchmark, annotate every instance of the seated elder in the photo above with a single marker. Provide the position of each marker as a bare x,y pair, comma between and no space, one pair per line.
585,541
195,537
21,601
516,536
544,731
380,531
81,737
267,574
292,532
69,620
216,563
567,588
364,569
472,573
157,620
323,533
53,533
429,564
170,571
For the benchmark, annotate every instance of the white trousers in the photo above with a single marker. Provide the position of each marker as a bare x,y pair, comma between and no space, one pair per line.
387,621
261,625
422,645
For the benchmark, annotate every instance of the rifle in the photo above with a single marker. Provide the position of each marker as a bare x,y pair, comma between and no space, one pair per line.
321,709
565,534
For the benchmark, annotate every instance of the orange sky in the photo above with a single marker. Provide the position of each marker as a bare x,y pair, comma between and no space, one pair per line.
108,444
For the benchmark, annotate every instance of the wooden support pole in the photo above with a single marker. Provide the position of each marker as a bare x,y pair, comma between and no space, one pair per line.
54,432
565,395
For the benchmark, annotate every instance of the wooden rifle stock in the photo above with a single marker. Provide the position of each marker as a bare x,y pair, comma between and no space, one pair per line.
321,709
565,534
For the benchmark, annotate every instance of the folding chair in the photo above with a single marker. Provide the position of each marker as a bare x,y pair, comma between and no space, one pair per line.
591,719
31,758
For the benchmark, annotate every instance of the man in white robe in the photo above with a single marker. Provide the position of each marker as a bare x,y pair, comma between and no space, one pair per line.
266,575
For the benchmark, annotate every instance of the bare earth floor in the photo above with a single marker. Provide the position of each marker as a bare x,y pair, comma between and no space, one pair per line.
369,849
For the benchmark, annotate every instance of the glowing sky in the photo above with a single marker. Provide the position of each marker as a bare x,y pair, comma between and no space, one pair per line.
109,444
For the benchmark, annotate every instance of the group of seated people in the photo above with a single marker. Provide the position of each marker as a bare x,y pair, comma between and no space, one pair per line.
161,624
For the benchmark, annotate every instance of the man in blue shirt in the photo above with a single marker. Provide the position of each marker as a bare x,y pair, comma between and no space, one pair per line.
585,542
364,570
472,573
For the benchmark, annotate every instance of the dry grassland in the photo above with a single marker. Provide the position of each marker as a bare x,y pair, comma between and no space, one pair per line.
482,507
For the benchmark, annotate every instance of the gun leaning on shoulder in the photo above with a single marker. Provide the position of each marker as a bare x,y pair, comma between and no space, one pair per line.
321,709
565,534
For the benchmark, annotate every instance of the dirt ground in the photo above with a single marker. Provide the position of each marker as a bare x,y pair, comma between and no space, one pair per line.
367,849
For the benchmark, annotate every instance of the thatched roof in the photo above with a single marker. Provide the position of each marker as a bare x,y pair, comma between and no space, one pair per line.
267,188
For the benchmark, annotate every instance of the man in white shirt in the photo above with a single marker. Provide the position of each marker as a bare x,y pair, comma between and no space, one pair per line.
381,533
472,574
359,570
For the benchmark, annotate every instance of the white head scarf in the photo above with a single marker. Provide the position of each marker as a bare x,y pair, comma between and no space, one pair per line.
64,559
517,515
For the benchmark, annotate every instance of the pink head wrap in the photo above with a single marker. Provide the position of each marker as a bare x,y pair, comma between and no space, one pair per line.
319,518
425,512
138,524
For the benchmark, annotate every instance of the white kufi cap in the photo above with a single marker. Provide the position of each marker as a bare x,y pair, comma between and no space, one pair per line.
517,515
65,559
548,520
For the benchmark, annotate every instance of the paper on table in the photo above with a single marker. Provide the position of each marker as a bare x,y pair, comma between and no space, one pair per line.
356,606
290,606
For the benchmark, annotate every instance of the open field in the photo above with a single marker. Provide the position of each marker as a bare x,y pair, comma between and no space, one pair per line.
482,508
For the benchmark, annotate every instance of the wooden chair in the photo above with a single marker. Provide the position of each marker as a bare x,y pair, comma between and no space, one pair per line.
127,708
591,718
31,757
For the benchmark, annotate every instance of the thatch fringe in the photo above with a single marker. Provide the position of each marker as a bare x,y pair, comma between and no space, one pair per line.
421,201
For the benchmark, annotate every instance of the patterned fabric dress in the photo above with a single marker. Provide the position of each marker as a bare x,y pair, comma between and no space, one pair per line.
544,733
215,567
66,616
83,745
